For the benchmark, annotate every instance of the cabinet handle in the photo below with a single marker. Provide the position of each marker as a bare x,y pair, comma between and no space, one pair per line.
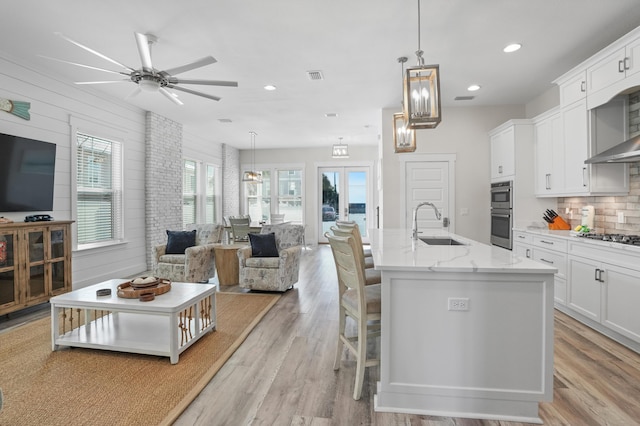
548,180
626,63
584,181
596,274
600,276
521,236
547,242
583,86
546,261
500,169
528,254
621,66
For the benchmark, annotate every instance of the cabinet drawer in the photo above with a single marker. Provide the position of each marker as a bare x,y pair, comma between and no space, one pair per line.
522,237
552,258
550,243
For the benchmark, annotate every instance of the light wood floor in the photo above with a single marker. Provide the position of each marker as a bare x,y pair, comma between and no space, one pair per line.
283,373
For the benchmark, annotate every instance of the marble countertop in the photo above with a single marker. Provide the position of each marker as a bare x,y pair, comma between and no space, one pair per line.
573,237
395,250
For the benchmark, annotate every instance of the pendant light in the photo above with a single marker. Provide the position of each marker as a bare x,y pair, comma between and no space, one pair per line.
404,138
252,176
422,92
340,150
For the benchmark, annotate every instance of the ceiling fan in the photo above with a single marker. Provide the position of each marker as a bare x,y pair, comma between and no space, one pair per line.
149,78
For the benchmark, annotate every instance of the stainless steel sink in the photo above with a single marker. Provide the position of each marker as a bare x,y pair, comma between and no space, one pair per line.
441,241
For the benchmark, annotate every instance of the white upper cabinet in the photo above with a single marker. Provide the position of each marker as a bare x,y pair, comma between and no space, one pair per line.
549,154
613,70
576,148
503,154
574,89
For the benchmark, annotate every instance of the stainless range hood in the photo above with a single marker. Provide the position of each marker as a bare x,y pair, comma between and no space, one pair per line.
626,152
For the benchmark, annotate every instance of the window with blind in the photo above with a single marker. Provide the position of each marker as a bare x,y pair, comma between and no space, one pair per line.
210,204
189,188
99,190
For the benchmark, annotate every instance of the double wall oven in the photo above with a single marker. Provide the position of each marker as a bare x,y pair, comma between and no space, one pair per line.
502,214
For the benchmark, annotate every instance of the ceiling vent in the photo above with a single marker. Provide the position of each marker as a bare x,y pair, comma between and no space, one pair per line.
464,98
315,75
225,120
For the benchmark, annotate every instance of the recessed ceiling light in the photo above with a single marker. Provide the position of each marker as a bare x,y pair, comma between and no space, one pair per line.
270,87
473,87
512,48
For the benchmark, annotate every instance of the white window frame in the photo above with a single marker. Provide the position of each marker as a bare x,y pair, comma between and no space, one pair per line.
116,136
273,170
196,195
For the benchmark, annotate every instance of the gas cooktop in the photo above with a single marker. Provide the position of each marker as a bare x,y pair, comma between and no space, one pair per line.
614,238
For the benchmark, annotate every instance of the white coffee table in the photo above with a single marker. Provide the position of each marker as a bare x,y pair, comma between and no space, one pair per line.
165,326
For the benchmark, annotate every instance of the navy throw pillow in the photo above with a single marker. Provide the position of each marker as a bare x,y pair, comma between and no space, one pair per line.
263,245
179,241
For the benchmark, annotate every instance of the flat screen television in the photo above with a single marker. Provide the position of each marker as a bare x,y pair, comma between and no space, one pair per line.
27,169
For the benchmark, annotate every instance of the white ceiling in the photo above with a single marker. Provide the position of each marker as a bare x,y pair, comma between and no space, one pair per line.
355,43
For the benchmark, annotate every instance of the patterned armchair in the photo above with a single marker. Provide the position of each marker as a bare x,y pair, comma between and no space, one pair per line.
197,264
273,273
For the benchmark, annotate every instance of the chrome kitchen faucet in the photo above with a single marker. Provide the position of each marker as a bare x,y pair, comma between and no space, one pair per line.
415,216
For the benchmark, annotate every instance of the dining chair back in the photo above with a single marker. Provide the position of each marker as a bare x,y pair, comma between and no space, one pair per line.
240,228
358,301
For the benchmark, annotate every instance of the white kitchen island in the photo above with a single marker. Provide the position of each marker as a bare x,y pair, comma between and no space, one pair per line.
490,359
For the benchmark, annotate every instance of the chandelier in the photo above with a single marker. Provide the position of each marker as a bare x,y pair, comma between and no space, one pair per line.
422,92
252,176
404,138
340,150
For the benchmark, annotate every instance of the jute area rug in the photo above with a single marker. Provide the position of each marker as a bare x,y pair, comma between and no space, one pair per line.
93,387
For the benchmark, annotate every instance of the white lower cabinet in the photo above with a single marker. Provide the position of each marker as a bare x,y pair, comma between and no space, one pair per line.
548,250
604,286
585,290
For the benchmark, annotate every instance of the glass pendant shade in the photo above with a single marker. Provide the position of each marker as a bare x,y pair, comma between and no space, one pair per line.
422,96
252,176
404,138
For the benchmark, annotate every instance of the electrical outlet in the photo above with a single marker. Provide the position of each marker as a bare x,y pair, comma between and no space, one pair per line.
620,217
458,304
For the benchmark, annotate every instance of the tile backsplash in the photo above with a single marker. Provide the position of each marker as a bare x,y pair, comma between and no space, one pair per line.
608,207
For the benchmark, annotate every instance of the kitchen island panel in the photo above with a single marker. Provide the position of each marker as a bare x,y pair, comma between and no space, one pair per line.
492,361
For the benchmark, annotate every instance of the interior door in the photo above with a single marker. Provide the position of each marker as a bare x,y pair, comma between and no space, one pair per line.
344,195
427,181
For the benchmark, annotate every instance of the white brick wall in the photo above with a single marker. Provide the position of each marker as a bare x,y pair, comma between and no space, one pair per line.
230,181
163,180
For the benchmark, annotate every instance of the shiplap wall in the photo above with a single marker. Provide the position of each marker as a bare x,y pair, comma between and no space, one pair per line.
53,105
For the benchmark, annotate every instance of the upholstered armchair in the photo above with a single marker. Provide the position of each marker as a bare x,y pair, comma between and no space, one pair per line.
197,264
276,273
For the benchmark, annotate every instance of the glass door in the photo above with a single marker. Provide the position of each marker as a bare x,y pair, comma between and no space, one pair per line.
344,195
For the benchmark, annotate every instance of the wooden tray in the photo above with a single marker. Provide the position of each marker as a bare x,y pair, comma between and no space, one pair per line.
126,291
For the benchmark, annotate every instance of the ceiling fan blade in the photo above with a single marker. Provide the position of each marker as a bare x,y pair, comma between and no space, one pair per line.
82,65
193,92
207,60
207,82
88,49
101,82
145,52
172,96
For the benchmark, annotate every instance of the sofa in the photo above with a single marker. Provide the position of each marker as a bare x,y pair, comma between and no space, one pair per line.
197,264
278,272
